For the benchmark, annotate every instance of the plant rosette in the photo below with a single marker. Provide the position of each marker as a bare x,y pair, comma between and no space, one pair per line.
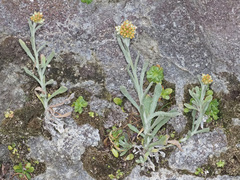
79,104
24,170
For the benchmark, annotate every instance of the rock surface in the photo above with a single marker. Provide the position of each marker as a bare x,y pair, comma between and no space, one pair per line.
186,37
62,154
201,147
165,174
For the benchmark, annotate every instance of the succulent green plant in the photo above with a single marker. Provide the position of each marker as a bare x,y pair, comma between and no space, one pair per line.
152,120
213,110
79,104
199,171
220,164
24,170
118,175
166,93
40,65
115,135
155,74
117,101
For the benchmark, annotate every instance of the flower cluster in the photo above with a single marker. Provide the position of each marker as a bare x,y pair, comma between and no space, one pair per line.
206,79
126,30
9,114
37,17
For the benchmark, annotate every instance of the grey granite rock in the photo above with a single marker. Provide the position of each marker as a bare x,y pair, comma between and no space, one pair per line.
236,121
112,112
4,154
186,37
165,174
62,154
197,150
12,95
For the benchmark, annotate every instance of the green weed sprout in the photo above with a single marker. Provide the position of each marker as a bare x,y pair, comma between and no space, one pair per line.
115,136
86,1
199,105
155,74
41,64
220,164
119,174
146,105
213,110
79,104
199,171
117,101
24,171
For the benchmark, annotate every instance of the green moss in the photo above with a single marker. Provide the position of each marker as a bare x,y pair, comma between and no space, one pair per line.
24,124
68,69
101,163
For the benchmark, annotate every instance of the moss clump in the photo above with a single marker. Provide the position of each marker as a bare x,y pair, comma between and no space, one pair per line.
25,123
62,72
101,163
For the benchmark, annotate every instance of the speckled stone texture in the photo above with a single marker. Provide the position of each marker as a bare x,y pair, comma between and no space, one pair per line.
165,174
186,37
62,154
197,150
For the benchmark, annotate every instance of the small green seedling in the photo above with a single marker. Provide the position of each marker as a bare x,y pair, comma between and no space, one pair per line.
129,157
199,171
220,164
10,147
86,1
91,114
155,74
115,136
115,152
213,110
26,170
36,162
166,93
117,101
13,149
172,135
118,175
79,104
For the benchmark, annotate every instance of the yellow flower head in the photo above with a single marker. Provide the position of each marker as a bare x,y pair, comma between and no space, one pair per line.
206,79
8,114
126,30
37,17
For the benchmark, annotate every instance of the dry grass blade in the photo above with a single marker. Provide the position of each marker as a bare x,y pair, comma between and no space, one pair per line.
176,143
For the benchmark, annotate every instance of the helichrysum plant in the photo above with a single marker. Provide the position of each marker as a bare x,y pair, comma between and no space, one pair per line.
199,105
40,63
146,105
